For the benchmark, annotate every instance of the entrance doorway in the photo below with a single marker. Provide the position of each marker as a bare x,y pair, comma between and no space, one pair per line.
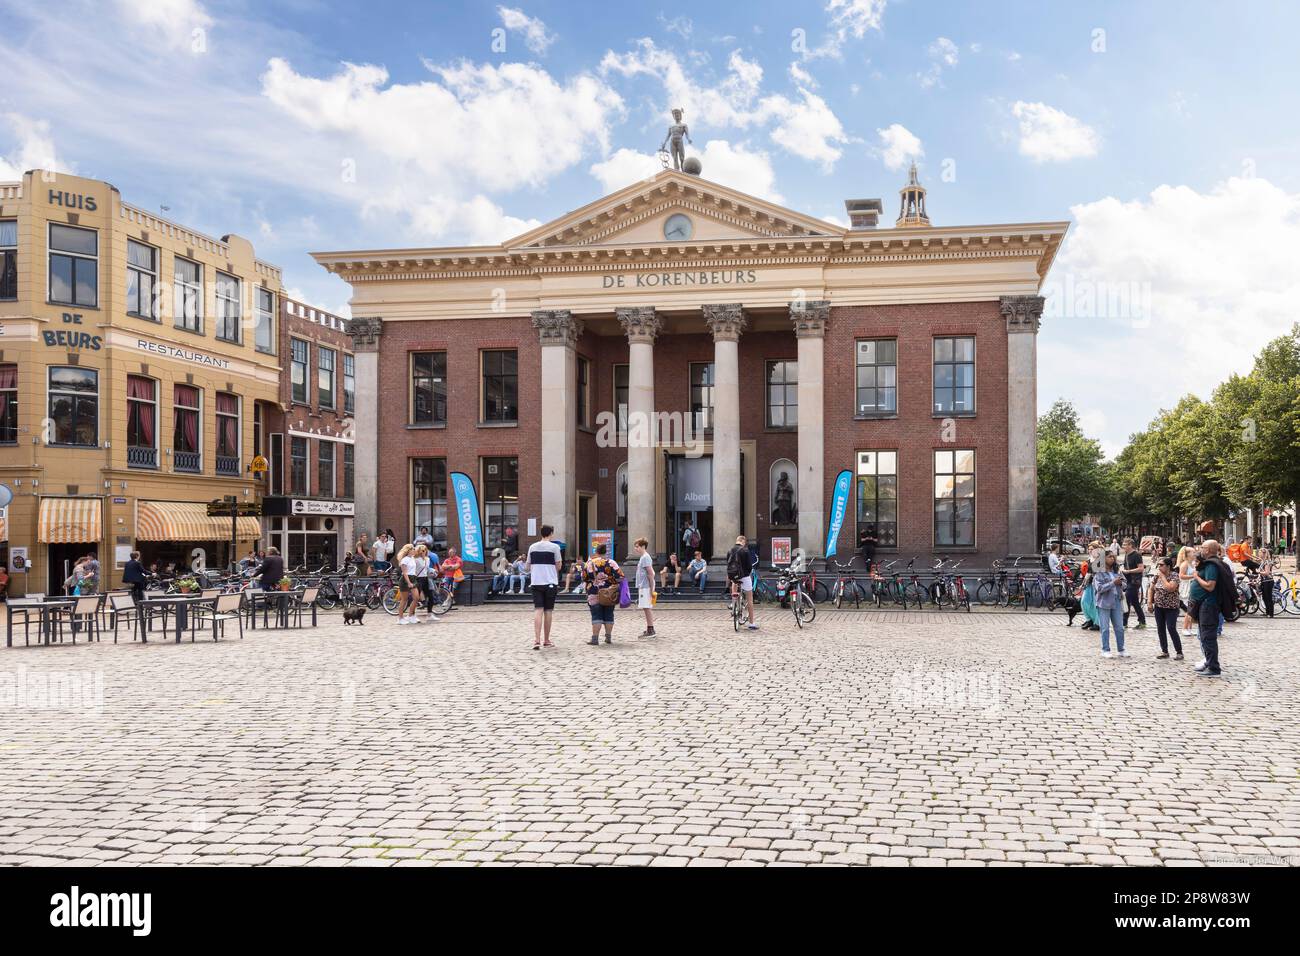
61,558
586,508
690,499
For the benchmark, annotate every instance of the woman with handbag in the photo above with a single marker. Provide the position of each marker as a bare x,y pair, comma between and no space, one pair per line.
603,578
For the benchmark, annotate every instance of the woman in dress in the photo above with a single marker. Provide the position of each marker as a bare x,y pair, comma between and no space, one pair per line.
1186,565
1267,565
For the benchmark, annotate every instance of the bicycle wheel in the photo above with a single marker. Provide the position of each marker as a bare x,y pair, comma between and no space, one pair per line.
390,599
736,613
820,592
838,599
326,597
804,610
987,594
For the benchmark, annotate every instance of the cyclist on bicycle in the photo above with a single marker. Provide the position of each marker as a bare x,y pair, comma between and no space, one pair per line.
740,570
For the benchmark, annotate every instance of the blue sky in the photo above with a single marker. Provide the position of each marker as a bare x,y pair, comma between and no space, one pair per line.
1165,131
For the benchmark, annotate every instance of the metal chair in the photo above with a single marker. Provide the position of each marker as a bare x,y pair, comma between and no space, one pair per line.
123,607
306,599
227,609
84,613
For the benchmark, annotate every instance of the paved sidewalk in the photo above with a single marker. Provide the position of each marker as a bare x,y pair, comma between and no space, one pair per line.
888,738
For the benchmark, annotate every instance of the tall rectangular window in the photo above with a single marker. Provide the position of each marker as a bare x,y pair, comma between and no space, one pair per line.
429,499
954,498
141,422
954,375
877,481
297,465
325,468
782,394
325,377
428,388
141,280
583,403
501,500
74,405
74,266
187,433
187,295
228,452
701,397
264,339
349,470
229,309
349,383
298,371
877,383
8,258
620,397
501,385
8,404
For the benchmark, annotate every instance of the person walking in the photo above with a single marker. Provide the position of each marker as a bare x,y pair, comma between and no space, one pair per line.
698,569
1267,565
1134,570
408,593
645,585
1164,606
543,568
133,574
1207,603
740,576
1108,587
690,539
426,572
1186,567
602,578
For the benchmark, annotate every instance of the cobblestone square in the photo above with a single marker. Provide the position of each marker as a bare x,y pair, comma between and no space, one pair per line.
891,739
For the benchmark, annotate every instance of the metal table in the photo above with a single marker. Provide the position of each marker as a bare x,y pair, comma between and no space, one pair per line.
46,618
283,600
180,604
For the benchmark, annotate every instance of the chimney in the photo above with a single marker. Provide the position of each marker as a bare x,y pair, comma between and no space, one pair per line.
864,213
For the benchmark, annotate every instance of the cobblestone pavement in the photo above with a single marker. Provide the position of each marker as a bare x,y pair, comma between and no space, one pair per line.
896,739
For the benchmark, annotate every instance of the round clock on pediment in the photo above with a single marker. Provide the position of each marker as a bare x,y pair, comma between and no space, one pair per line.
678,226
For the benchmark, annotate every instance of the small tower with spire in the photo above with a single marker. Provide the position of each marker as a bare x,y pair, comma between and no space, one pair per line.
911,208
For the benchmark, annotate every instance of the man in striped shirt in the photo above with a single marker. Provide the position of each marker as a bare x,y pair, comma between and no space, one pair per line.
543,567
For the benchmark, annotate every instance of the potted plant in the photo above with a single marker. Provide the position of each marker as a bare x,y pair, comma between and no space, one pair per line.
187,586
286,583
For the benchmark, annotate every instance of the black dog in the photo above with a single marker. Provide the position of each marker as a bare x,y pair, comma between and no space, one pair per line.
354,614
1072,607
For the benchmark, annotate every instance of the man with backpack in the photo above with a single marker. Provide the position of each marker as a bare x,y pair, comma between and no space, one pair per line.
740,570
1213,593
690,540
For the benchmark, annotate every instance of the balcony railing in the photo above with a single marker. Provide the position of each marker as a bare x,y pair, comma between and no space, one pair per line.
142,457
188,461
227,465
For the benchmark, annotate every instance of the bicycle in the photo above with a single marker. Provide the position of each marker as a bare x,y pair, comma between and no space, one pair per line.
992,591
844,582
948,587
789,587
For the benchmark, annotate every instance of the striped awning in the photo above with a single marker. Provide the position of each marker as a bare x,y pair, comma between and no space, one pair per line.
188,521
70,521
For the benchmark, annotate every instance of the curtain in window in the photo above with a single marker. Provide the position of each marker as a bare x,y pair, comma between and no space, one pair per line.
188,415
142,388
8,379
228,410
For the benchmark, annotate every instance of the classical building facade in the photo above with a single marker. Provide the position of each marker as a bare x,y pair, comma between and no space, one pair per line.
681,353
133,354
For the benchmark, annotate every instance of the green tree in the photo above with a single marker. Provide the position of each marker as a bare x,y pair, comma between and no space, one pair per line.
1072,479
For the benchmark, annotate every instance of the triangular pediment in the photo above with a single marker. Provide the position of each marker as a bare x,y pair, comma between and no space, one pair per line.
639,213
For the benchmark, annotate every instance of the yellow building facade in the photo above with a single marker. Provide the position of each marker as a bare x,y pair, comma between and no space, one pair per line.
133,355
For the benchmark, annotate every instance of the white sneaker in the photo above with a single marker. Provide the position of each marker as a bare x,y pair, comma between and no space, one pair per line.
401,620
1107,654
1122,654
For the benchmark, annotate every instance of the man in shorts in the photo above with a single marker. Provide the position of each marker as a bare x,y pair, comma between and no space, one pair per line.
645,585
740,572
543,568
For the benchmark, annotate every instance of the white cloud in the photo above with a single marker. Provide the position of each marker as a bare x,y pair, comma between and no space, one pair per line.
681,25
976,47
943,54
478,219
856,17
898,147
734,165
802,77
807,128
34,149
1013,56
1167,295
536,37
173,21
1050,135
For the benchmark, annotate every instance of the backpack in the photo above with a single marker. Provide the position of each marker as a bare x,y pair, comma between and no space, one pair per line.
694,540
735,569
1225,589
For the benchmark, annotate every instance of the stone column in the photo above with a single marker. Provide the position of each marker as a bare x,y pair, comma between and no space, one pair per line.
642,325
810,323
559,332
365,346
726,322
1023,314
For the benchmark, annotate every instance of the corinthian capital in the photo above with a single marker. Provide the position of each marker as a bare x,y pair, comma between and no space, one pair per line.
810,318
726,322
365,333
641,323
557,327
1024,313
